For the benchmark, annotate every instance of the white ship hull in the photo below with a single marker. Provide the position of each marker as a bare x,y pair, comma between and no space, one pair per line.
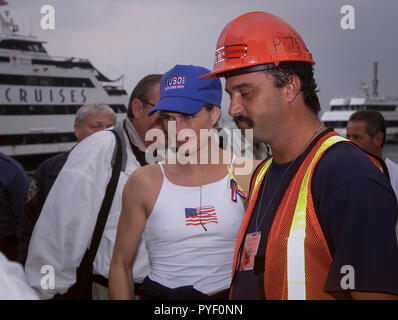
40,94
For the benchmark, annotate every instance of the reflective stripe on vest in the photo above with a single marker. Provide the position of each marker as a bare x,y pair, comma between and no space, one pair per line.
295,246
259,178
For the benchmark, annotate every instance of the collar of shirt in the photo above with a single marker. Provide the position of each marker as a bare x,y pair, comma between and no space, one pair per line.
133,135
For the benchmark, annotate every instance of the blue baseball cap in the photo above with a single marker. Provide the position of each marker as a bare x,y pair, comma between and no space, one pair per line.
182,91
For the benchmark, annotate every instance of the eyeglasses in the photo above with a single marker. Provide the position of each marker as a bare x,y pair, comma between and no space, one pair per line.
147,102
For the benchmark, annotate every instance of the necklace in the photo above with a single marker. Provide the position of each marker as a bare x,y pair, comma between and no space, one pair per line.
200,209
257,226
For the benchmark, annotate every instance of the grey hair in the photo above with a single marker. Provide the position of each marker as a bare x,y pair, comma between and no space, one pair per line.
90,108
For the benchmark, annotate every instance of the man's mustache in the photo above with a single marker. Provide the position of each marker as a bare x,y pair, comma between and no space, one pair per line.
245,119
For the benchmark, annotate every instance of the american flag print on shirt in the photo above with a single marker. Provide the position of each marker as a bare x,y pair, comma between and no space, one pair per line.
200,216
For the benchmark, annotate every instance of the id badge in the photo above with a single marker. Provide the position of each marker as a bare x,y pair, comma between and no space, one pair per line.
250,248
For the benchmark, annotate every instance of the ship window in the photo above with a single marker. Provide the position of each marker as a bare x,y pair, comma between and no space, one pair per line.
36,138
335,124
118,108
12,79
49,109
22,45
34,47
381,107
347,107
391,123
115,91
357,107
340,107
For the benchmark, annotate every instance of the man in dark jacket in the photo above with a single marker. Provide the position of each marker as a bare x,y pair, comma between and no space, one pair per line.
89,119
13,184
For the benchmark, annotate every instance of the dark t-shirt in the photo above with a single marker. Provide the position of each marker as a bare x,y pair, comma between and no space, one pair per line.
357,211
13,184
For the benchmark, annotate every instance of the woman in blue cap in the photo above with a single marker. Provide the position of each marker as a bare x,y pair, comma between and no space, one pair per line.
187,209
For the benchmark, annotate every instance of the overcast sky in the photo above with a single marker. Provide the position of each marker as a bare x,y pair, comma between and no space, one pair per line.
137,37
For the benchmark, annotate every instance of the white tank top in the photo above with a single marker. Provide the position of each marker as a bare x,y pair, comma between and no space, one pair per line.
181,251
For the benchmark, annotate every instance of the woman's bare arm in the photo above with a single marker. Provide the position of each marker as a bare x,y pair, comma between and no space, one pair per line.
131,225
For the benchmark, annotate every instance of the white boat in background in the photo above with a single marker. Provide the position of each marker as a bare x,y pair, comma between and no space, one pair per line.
40,94
342,108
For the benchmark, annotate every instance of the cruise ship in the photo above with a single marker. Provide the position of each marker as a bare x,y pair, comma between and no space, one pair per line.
342,108
40,94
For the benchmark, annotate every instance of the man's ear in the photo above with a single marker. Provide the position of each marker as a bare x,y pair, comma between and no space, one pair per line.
137,108
77,131
292,88
378,137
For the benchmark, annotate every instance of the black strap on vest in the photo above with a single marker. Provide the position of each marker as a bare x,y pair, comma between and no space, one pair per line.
139,155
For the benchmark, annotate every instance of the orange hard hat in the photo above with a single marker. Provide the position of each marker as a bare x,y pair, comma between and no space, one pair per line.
260,40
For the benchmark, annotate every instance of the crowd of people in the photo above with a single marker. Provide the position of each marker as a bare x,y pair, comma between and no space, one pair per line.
109,223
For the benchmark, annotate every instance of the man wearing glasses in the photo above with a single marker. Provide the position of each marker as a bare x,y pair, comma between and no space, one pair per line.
65,228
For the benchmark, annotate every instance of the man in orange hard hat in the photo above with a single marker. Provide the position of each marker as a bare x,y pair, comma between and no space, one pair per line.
321,215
